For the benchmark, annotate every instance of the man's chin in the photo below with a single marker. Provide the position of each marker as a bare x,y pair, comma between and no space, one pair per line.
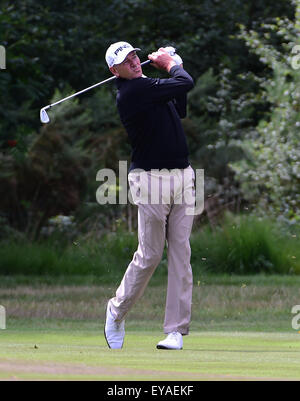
135,74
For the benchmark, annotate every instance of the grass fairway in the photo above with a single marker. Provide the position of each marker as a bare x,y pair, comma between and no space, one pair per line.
241,330
83,355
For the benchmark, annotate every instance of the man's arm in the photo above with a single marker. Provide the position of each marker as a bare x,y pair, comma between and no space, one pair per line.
167,89
180,103
163,61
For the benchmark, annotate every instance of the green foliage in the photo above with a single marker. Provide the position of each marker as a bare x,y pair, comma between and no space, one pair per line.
51,176
270,174
56,48
60,44
223,108
246,245
241,245
106,258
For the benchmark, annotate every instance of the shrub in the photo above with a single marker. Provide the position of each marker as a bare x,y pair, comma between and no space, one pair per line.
246,245
240,245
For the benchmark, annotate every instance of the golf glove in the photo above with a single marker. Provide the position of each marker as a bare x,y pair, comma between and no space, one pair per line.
172,52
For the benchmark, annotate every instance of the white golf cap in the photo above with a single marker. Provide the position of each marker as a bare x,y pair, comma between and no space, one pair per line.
117,52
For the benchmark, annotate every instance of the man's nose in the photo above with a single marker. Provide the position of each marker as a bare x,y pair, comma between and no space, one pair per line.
134,63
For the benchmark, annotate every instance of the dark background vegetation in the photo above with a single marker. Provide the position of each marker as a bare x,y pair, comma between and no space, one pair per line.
241,128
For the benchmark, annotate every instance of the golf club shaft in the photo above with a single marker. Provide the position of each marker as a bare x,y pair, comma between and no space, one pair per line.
87,89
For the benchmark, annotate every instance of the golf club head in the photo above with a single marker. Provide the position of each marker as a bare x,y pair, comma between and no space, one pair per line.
44,116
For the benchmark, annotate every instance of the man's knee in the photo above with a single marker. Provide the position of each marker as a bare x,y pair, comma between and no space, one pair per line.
148,260
152,260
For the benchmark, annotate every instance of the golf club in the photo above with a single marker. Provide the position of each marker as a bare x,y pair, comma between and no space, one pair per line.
43,113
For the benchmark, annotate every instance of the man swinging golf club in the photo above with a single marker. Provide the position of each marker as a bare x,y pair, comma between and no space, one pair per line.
150,110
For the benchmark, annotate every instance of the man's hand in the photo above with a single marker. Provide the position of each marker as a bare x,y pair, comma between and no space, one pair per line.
162,60
172,52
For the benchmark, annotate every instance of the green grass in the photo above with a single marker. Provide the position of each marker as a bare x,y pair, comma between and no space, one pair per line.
79,354
240,330
200,278
220,302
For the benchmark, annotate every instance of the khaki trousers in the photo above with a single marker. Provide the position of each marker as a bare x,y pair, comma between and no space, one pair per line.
165,200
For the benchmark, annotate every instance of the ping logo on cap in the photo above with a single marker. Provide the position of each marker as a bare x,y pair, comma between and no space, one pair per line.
119,49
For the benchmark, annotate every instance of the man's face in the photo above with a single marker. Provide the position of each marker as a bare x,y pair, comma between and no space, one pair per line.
130,68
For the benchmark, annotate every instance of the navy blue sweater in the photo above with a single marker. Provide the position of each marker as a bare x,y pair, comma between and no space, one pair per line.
150,110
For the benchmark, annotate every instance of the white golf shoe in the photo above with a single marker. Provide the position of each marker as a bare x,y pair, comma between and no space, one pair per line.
173,341
114,332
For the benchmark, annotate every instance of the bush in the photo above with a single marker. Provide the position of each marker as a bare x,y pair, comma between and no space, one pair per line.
106,258
241,245
246,245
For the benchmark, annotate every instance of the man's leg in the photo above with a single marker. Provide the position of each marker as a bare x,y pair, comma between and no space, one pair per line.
151,235
180,278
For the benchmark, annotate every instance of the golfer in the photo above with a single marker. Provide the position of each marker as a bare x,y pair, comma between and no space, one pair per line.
150,110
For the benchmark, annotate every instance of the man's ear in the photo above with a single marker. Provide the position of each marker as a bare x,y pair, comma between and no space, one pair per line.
114,71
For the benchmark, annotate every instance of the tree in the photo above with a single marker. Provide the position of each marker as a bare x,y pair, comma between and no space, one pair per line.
270,173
